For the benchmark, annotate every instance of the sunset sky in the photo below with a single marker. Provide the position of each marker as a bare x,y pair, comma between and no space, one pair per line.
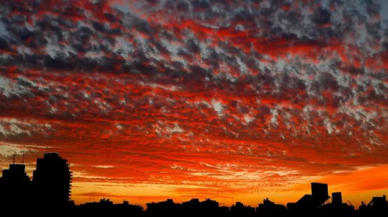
234,100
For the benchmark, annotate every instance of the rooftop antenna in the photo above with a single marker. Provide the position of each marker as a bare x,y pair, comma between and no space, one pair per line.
13,158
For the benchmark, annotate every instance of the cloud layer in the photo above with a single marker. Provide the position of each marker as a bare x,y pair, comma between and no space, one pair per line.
232,96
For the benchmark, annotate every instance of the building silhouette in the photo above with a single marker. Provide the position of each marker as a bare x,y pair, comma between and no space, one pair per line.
51,185
337,206
48,194
378,205
167,207
209,206
105,208
195,207
240,209
336,198
15,188
311,202
270,208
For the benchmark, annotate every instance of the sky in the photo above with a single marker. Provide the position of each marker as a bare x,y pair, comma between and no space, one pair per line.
230,100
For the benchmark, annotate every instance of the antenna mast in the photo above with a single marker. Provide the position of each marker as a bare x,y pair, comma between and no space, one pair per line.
13,158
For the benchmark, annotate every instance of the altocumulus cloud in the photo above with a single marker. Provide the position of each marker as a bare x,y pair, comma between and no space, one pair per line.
235,96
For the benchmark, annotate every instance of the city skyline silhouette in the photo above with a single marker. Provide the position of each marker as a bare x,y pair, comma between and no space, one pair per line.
228,100
49,194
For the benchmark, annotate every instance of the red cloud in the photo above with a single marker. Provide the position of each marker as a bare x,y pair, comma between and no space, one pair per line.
235,103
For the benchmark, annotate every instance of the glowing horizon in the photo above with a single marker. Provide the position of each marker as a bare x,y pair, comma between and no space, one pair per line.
158,99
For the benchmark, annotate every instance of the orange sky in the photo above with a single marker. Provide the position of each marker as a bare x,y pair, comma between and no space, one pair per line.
232,100
357,186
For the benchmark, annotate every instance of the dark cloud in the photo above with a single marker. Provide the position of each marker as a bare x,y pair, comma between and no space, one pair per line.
321,17
209,88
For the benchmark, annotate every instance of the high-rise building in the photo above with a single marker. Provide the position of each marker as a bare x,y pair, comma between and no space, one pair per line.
14,189
52,184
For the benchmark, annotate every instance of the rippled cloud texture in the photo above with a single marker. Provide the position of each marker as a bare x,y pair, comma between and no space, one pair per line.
196,98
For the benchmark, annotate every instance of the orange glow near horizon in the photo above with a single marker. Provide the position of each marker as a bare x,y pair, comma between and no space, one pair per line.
228,100
357,186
